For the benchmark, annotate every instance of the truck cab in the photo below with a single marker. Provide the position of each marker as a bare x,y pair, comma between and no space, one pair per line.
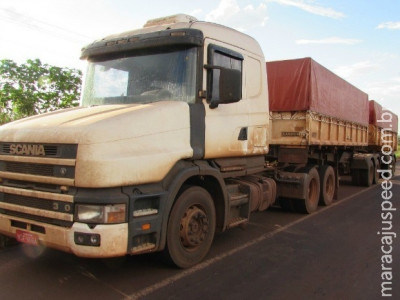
168,113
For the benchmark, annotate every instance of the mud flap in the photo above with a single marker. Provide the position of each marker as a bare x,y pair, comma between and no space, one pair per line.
291,185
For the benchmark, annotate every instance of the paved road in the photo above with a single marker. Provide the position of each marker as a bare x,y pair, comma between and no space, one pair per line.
332,254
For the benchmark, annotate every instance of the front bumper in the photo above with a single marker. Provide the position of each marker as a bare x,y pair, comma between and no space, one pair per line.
113,238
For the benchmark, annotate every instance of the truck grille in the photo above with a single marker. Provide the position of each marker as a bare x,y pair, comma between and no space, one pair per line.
49,150
38,169
37,182
31,149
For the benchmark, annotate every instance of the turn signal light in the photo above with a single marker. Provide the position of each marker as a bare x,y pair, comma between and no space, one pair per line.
146,226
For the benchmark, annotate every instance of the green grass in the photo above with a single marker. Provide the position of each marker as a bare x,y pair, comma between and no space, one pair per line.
398,152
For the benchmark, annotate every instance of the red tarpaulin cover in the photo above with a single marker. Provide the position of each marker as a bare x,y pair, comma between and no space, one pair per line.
377,113
303,84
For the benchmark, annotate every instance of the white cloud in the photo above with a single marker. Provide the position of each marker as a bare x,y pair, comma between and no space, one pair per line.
311,7
389,25
386,88
260,13
331,40
357,69
386,92
226,9
231,14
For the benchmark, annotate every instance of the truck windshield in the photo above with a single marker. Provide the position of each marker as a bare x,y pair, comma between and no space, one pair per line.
142,79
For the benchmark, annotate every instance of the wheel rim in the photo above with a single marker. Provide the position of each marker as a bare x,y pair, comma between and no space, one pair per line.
193,228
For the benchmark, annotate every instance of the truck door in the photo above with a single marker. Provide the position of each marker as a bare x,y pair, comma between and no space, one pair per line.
226,126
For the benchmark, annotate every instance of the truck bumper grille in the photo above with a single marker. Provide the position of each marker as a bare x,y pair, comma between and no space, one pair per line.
49,205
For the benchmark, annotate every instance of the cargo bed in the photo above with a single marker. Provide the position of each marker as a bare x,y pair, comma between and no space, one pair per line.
310,105
311,128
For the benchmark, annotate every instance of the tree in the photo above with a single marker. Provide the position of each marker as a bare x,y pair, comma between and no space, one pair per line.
34,88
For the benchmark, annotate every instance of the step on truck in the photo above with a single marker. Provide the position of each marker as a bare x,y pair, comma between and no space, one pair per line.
177,138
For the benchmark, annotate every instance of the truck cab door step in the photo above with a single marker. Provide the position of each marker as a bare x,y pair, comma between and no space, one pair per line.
237,221
239,204
237,199
236,195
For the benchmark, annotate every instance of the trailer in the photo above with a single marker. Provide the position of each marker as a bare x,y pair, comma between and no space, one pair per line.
383,127
319,121
311,106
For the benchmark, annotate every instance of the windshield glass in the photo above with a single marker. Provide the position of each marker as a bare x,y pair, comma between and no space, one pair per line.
142,79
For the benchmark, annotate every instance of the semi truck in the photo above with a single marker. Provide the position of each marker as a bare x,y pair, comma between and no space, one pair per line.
181,134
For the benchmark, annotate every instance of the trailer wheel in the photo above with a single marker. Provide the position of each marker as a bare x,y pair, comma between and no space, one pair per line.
328,185
394,164
376,173
310,204
191,227
367,175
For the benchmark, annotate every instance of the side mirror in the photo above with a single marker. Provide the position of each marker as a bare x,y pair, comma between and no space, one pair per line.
224,85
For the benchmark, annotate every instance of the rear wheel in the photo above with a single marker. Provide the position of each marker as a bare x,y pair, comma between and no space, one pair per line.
394,165
367,175
328,185
191,227
310,204
376,174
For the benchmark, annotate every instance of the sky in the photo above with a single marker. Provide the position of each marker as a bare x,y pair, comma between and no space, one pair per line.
356,39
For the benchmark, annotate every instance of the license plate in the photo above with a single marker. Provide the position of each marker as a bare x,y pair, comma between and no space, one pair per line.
27,237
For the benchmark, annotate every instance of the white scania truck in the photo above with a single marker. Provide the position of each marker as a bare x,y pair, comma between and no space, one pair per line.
171,144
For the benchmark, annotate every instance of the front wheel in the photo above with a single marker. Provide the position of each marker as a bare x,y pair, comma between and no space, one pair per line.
191,227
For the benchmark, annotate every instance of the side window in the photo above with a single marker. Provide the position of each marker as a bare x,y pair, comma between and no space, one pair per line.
224,58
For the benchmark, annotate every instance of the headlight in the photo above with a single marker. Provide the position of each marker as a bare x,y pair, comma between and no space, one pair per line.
101,214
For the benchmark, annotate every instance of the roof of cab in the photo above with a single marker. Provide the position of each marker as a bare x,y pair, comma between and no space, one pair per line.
181,21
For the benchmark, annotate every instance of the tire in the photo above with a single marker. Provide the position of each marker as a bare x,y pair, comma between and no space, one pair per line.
367,175
310,204
191,227
376,174
394,165
328,185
